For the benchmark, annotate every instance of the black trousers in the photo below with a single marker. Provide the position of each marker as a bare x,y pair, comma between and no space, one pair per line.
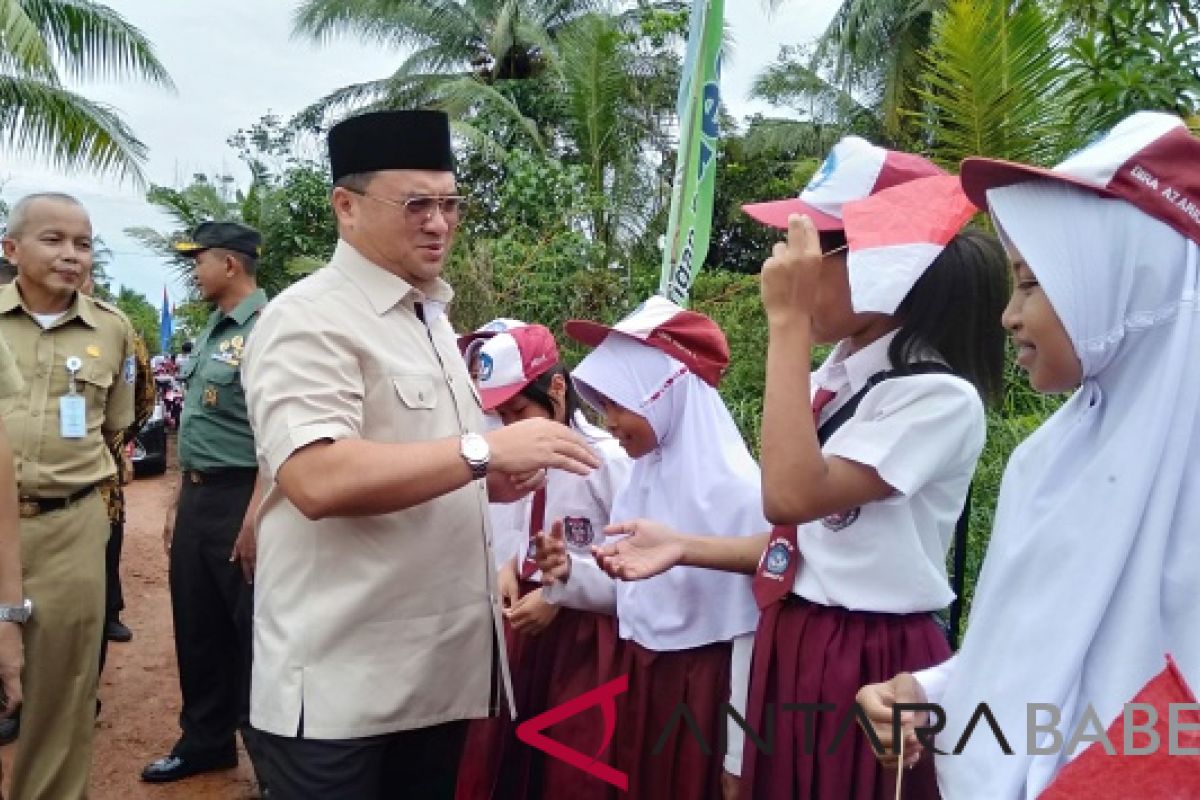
212,606
421,763
114,598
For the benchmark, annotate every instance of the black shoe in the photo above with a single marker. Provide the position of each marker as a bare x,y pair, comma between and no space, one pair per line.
10,728
115,631
174,768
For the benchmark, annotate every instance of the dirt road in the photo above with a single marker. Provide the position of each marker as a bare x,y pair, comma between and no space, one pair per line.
139,689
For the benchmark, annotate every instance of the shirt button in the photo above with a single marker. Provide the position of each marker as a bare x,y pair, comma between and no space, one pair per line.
37,412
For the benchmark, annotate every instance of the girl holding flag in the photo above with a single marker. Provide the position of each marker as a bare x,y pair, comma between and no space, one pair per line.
555,653
1094,557
871,458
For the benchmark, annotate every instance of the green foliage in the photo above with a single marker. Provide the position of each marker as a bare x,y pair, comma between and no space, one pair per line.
990,81
1130,56
142,314
42,39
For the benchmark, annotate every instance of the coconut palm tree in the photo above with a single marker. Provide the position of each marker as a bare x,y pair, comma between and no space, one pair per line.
43,41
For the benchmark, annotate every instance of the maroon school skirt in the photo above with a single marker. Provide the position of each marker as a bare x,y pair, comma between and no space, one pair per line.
659,683
808,653
575,654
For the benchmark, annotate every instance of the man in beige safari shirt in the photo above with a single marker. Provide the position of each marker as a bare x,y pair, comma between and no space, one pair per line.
375,624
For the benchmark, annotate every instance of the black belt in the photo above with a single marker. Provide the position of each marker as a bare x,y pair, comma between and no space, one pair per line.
220,477
36,506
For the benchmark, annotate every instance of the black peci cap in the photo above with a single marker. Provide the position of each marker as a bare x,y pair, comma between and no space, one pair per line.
383,140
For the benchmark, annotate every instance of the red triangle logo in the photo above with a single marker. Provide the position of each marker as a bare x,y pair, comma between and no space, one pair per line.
530,731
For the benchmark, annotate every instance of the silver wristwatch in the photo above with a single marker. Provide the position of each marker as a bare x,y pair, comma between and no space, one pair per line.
475,451
18,614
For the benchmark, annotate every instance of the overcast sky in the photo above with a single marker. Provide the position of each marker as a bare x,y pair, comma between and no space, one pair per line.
234,60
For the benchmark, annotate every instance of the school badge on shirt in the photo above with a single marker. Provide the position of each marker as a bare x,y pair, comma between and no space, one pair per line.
839,522
578,531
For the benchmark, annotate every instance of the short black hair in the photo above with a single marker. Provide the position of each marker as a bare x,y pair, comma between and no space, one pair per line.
955,308
8,271
249,263
356,182
186,347
538,391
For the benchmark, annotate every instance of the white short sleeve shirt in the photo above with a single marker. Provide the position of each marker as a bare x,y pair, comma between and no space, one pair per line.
923,434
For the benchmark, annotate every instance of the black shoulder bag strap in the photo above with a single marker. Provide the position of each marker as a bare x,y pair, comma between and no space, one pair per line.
962,527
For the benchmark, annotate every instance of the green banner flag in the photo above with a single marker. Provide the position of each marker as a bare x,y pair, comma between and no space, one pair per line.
690,223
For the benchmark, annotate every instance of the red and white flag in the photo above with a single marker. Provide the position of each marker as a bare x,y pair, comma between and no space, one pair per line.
894,236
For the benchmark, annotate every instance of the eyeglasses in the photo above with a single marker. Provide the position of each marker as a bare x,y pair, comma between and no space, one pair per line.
834,250
423,206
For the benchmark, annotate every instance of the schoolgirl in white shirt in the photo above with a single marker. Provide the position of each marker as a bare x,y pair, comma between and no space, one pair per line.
555,653
653,376
851,590
1093,565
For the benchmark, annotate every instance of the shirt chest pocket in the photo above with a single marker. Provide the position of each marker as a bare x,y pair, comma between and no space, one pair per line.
222,384
94,382
417,391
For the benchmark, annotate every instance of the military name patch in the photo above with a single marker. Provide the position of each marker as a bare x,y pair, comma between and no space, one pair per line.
129,370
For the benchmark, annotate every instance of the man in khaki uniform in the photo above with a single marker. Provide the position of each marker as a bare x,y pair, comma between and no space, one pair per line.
76,357
375,619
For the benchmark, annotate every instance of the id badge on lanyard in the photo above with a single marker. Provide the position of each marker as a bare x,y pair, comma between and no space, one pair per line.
72,407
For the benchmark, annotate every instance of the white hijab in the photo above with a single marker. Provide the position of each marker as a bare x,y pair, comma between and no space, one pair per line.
1093,570
700,479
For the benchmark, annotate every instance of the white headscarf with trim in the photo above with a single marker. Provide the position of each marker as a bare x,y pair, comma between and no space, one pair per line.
700,479
1093,570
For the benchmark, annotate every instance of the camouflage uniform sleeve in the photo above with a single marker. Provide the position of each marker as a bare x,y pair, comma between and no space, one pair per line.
118,409
143,390
10,378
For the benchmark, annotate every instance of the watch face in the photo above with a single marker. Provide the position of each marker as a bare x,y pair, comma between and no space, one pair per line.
475,448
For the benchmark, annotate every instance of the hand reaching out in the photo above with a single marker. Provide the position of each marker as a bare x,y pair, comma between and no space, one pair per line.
647,549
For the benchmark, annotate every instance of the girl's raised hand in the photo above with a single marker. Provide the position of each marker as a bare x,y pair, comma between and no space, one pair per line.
789,276
647,549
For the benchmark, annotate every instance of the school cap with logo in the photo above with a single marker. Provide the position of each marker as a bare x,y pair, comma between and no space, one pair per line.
469,343
511,360
1149,159
225,235
687,336
854,169
386,140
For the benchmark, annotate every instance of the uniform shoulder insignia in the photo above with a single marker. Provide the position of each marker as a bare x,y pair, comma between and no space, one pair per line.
104,305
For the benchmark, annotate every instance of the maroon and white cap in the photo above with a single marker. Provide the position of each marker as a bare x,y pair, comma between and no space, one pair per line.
687,336
469,343
511,360
1150,160
854,169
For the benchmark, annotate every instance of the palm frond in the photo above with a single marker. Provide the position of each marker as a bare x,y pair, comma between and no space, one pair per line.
458,98
388,22
990,82
91,40
46,120
24,52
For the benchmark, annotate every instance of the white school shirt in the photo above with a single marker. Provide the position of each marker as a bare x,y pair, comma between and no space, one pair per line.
584,503
507,532
923,434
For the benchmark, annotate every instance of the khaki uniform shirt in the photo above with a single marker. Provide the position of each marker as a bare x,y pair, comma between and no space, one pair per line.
214,432
10,376
367,625
49,465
